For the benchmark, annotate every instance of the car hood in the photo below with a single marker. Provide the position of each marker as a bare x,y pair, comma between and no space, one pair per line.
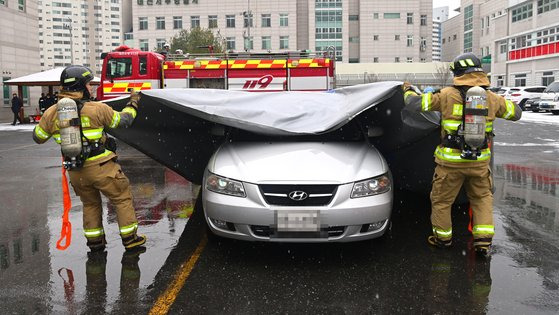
548,96
301,162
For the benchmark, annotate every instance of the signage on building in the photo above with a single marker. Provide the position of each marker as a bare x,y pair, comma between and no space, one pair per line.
159,2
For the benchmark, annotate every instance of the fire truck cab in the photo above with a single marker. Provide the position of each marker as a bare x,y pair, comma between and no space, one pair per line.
127,68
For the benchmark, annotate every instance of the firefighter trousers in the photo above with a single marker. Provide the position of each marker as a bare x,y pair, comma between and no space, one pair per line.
477,182
107,178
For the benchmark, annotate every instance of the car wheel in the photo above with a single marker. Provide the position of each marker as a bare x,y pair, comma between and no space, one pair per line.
555,112
522,104
535,109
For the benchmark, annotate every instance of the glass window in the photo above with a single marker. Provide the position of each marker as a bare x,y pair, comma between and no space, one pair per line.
230,43
521,12
468,39
159,43
375,59
375,37
391,15
396,37
409,18
212,21
195,21
266,20
284,42
423,20
520,80
249,43
143,21
396,59
409,41
468,18
354,17
6,91
547,78
266,42
21,5
284,19
375,16
230,21
143,65
177,22
160,23
119,67
248,19
144,46
409,59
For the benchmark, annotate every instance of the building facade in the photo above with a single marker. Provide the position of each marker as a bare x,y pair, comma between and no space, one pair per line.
358,30
440,15
19,50
77,32
517,40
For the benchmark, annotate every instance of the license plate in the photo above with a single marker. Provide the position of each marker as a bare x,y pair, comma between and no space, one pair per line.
298,220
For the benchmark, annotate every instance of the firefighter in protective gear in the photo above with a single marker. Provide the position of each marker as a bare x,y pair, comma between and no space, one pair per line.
99,172
454,169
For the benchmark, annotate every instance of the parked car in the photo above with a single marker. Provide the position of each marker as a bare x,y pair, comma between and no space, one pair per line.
521,94
550,99
532,104
501,90
329,188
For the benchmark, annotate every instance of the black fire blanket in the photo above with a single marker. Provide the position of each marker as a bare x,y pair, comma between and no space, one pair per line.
181,128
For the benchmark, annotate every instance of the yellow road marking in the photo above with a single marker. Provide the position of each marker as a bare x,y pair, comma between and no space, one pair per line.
167,299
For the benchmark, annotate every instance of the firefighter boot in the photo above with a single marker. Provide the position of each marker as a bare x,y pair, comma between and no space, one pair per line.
482,246
97,244
434,241
133,241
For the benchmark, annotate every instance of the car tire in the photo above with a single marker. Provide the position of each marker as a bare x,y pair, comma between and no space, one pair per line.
535,110
555,112
522,104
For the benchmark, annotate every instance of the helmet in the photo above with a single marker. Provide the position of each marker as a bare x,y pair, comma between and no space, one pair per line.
74,78
465,63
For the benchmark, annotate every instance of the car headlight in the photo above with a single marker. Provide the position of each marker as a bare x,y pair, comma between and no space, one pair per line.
226,186
372,186
556,98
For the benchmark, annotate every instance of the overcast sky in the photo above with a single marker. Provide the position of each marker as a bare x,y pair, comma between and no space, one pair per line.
452,4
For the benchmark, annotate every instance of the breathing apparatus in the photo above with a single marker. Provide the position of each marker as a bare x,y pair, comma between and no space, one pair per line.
472,129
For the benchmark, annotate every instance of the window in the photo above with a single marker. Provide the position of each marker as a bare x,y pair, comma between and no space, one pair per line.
375,59
423,20
468,42
284,19
396,59
375,16
391,15
284,42
547,78
409,18
266,42
375,37
396,37
354,17
3,2
160,23
247,19
160,43
520,79
423,44
547,5
444,40
409,41
212,21
230,43
177,22
230,21
454,37
353,60
354,39
195,21
266,20
6,91
503,47
249,43
522,12
21,5
143,21
409,59
144,46
500,80
119,67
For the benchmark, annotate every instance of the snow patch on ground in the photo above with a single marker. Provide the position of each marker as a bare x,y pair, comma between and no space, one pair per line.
541,118
24,127
529,144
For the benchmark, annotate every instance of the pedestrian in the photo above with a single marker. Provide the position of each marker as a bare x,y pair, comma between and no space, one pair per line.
458,162
16,107
43,103
49,101
97,171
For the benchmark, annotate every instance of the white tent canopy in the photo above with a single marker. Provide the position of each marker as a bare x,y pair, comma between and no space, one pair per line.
44,78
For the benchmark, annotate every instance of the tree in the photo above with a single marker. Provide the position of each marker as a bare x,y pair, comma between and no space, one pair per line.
192,41
442,73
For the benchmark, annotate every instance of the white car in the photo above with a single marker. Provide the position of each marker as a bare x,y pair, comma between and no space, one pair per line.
549,100
335,187
521,94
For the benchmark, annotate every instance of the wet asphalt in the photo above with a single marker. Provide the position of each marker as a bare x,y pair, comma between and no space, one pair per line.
399,274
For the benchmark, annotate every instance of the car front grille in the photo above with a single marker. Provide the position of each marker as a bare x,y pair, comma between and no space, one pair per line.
266,231
315,195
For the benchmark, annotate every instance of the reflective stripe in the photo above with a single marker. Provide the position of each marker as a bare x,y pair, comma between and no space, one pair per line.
40,133
132,111
426,102
470,62
93,232
406,95
489,126
510,110
98,156
56,137
453,155
451,125
93,134
115,121
442,233
483,229
129,229
462,63
457,110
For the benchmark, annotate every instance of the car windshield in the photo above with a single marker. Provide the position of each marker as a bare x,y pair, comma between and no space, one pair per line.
552,88
513,90
348,133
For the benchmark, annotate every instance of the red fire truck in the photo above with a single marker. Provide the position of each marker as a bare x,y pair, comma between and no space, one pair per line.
127,68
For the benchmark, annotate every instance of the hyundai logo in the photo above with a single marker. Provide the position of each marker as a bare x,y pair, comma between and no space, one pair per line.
298,195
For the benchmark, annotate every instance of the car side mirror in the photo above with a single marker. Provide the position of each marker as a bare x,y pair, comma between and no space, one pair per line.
374,131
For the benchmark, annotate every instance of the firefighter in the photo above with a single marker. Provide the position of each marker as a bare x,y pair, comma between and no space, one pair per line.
468,110
94,170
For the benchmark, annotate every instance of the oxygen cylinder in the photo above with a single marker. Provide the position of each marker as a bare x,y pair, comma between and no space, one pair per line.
475,111
69,124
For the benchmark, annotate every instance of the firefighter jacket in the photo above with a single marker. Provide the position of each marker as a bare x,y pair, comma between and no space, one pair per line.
95,117
449,103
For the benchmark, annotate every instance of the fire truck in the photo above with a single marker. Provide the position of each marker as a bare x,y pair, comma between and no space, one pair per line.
126,68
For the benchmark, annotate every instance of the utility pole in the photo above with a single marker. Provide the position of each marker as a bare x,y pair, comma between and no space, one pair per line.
247,16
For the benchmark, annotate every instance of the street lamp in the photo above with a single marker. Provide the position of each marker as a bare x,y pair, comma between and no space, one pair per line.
68,26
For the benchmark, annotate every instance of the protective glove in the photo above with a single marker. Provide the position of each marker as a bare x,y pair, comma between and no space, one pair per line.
134,99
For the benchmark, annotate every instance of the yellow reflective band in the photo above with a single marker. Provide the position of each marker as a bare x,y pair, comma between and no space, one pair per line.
457,109
85,74
128,229
98,156
56,137
130,110
40,133
510,110
470,62
489,126
93,134
115,121
426,102
453,155
451,125
442,233
462,63
69,80
483,229
86,122
408,93
93,232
